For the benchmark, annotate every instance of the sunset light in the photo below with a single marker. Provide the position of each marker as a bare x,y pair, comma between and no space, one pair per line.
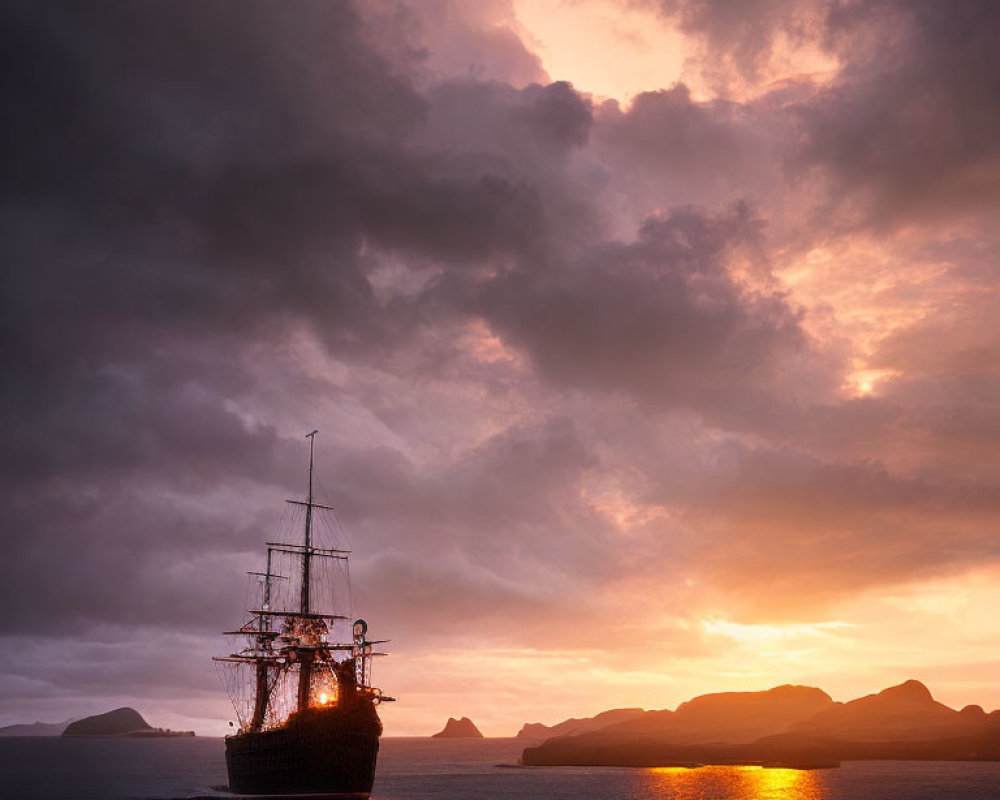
769,635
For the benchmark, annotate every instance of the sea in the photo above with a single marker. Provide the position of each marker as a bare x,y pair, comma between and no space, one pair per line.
53,768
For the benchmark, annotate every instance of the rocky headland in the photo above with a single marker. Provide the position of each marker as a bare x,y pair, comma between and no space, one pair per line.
787,725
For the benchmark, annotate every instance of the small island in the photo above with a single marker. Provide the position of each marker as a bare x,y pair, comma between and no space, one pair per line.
120,722
462,728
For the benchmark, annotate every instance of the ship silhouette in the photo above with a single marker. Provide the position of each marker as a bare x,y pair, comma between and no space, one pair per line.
301,684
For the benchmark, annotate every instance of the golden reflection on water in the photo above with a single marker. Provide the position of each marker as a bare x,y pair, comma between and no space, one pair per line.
738,783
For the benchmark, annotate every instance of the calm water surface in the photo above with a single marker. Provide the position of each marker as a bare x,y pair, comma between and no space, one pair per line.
433,769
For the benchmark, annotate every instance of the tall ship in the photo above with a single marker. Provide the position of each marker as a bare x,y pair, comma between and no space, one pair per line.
301,684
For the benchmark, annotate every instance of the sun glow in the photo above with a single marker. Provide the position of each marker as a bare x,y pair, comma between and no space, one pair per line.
611,50
864,382
763,635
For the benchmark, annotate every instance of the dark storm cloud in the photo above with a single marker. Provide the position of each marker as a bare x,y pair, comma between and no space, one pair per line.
741,34
114,552
128,221
508,126
909,129
661,317
182,173
190,180
679,141
545,328
149,222
466,40
507,508
909,126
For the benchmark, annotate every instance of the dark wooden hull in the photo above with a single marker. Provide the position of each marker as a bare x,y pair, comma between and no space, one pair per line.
319,755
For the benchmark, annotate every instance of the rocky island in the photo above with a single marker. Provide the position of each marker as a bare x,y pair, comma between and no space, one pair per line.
120,722
458,729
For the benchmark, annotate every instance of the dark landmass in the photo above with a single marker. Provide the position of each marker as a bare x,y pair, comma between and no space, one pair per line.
35,729
120,722
729,717
571,727
458,729
906,712
113,723
794,726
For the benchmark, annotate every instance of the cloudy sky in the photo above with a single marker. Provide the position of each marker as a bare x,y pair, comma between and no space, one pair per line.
653,344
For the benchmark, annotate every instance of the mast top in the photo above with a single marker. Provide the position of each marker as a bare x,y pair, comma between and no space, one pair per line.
312,444
307,549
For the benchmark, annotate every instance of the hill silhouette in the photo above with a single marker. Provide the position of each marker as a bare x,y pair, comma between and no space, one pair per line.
113,723
570,727
904,712
35,729
730,717
793,725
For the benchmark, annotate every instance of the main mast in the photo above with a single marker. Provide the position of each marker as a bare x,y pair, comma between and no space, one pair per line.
304,594
305,656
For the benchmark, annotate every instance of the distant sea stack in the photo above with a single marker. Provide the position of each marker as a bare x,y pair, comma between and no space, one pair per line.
459,729
119,722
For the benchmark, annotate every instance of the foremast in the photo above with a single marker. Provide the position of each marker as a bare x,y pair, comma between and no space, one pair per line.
265,663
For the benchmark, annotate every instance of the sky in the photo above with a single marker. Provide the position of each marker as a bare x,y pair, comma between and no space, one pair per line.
653,345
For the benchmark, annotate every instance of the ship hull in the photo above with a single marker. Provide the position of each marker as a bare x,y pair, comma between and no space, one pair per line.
315,757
